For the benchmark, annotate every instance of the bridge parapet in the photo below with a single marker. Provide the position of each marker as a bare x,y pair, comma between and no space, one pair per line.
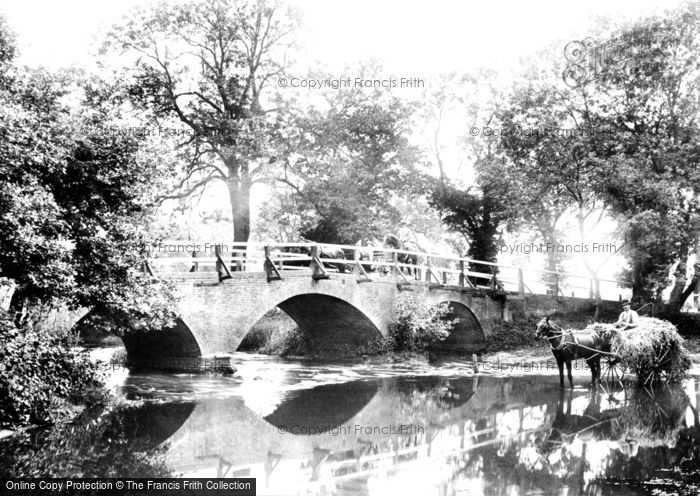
373,262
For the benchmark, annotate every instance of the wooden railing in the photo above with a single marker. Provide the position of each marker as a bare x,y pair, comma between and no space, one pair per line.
370,263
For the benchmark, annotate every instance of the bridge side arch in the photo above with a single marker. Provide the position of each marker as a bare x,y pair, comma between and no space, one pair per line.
467,335
176,341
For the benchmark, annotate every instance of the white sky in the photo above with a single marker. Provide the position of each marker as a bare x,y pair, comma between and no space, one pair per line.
420,38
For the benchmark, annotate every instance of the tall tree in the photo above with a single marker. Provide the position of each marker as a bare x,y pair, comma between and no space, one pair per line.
72,204
345,162
206,66
650,105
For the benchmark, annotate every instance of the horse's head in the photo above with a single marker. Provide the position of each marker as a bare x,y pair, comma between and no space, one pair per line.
392,241
544,328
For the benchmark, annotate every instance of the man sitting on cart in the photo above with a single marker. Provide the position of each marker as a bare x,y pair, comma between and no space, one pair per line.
629,319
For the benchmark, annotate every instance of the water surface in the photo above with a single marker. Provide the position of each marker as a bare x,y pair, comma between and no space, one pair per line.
369,429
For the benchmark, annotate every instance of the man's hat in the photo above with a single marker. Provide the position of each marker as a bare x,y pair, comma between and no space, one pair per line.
625,302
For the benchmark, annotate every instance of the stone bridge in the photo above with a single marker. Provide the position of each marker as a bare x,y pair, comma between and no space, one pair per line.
337,313
339,305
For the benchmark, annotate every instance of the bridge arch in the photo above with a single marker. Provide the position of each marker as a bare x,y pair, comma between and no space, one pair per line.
173,342
467,336
330,322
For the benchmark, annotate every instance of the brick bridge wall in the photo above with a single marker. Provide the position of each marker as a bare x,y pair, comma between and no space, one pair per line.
335,312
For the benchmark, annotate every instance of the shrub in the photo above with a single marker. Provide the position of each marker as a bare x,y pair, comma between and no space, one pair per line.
38,372
416,324
688,324
509,335
97,443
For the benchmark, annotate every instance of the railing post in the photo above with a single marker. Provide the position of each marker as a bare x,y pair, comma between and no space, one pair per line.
494,280
429,270
318,270
221,269
462,277
444,278
239,263
195,265
266,264
272,273
395,267
556,285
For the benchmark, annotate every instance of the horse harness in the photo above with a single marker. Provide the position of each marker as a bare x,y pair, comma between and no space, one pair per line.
562,334
568,344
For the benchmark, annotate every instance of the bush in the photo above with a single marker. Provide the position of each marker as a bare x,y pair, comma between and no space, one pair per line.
38,372
509,335
688,324
416,324
99,442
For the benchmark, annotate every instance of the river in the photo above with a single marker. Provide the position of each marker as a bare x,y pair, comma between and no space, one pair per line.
367,428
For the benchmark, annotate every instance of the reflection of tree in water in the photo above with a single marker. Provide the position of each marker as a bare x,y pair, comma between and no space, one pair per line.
645,437
429,400
107,443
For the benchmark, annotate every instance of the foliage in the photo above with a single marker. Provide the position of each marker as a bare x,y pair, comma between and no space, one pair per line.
39,372
688,324
95,444
416,324
275,334
652,417
510,335
75,196
478,216
623,144
342,165
653,349
205,66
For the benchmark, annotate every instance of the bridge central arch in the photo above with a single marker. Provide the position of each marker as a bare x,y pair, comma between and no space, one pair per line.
332,324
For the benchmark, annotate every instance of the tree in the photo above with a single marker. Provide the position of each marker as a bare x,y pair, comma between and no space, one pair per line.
651,106
477,215
344,163
71,204
206,66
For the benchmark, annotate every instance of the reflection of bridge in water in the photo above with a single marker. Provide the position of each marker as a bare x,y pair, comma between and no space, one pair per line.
440,417
467,432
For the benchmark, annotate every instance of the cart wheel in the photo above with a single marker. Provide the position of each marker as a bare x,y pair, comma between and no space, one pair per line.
657,372
613,369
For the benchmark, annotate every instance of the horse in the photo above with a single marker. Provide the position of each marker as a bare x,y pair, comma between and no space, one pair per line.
592,425
573,345
325,252
393,242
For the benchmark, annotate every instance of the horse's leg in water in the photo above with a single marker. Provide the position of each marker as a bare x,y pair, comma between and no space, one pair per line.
594,365
568,373
596,360
560,364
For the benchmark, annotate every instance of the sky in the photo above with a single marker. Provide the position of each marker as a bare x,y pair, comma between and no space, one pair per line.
421,38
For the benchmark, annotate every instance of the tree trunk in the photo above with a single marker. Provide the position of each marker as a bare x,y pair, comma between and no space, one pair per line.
694,285
592,272
675,301
239,194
